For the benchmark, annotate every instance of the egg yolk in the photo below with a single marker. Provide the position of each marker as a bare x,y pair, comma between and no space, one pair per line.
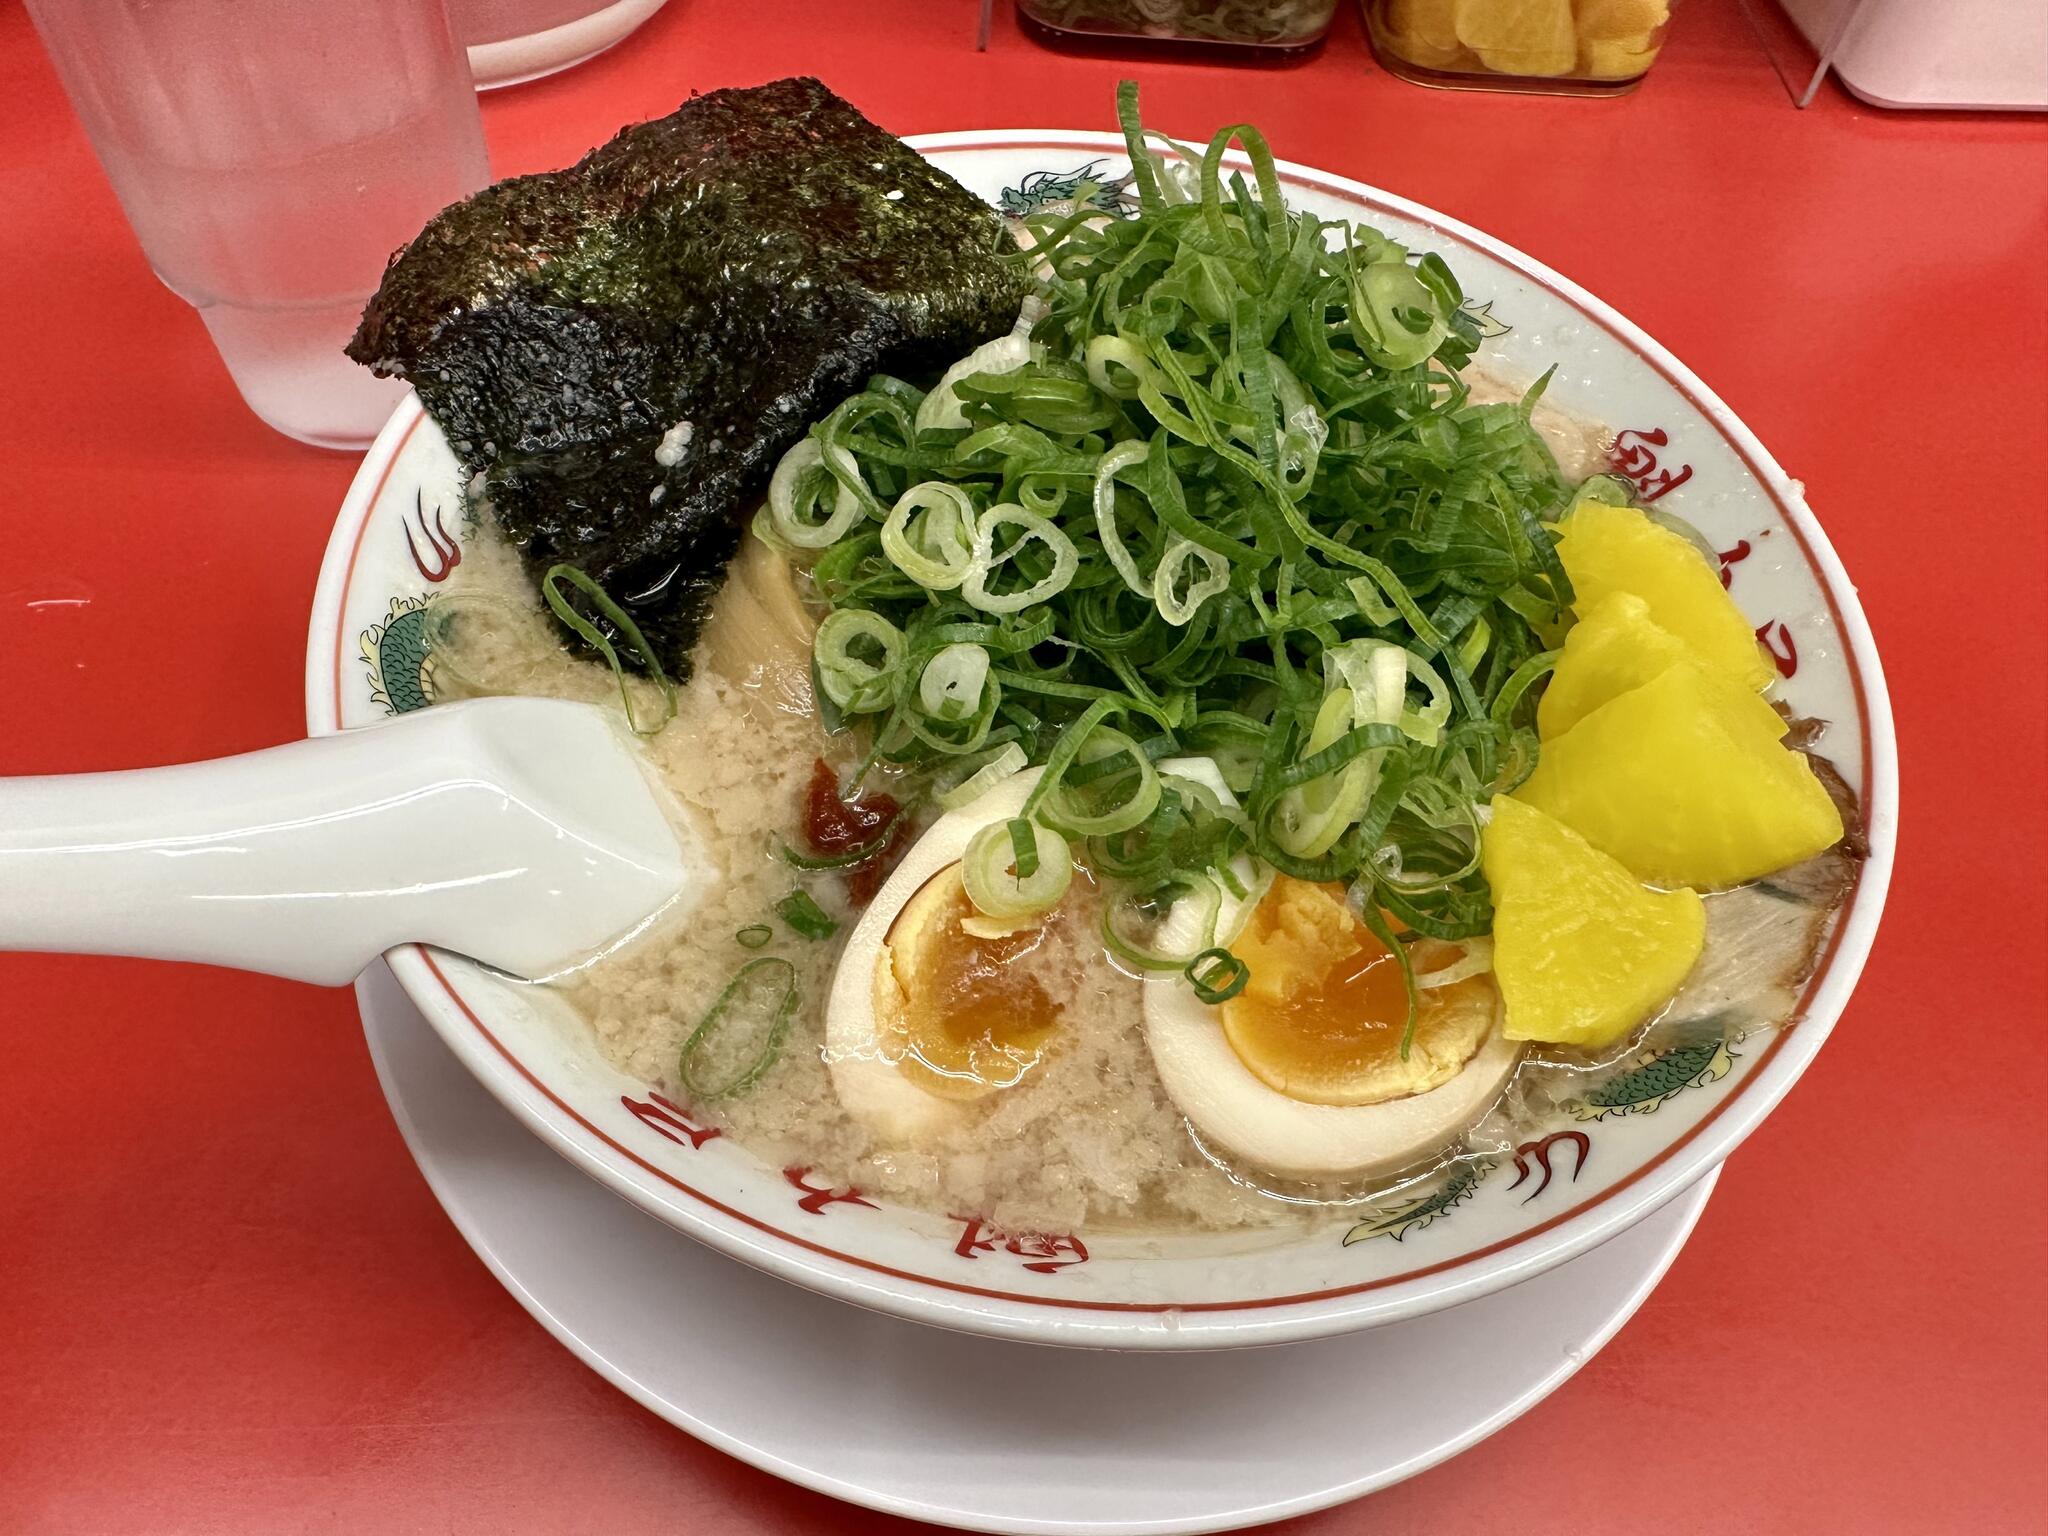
1321,1017
973,1019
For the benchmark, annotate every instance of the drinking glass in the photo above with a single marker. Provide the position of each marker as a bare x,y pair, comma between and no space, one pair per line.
270,157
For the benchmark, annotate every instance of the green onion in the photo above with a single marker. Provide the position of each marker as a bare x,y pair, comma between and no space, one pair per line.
985,559
801,482
1217,975
1088,802
929,535
1230,497
1000,764
1107,356
1023,849
1531,671
761,999
857,653
1384,932
953,681
1112,464
753,936
999,887
846,858
590,634
1179,601
1476,960
805,916
941,408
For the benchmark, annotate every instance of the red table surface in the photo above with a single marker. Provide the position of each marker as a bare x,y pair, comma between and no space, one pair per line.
227,1300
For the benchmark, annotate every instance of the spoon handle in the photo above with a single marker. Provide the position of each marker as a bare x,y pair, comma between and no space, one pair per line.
521,832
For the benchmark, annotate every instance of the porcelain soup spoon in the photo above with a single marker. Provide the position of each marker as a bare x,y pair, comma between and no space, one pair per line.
525,833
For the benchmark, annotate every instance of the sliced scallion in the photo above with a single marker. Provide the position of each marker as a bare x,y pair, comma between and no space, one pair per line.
951,685
802,484
1217,975
998,888
757,1005
1110,788
845,858
591,635
987,559
858,653
1224,492
1023,849
929,535
805,917
1177,590
1002,763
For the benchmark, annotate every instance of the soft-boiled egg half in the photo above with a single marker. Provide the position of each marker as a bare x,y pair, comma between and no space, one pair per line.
1301,1073
924,1017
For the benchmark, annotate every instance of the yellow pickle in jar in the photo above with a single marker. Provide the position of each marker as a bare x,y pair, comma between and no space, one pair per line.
1519,44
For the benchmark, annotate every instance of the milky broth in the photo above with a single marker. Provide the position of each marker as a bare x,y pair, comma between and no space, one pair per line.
1089,1136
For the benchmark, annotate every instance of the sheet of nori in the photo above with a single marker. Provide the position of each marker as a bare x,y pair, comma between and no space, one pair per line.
741,264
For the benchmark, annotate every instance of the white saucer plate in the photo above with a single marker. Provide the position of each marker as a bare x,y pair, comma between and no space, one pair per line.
973,1432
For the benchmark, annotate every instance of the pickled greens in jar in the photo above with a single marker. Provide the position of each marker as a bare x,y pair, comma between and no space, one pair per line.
1254,23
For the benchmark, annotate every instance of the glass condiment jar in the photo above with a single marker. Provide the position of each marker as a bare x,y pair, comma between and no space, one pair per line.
1264,29
1570,47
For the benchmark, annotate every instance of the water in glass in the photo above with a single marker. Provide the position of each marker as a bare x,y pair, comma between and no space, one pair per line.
270,159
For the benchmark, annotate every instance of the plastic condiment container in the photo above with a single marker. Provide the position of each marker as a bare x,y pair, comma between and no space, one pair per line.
1564,47
1253,29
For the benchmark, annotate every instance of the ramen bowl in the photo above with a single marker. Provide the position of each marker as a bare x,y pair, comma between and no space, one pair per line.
1595,1165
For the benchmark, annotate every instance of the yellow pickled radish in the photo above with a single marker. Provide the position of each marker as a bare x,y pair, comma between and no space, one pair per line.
1617,646
1582,952
1425,32
1618,20
1686,781
1519,37
1614,647
1615,58
1608,549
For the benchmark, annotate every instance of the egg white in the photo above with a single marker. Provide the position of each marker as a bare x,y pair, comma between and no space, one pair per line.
864,1073
1240,1115
1227,1105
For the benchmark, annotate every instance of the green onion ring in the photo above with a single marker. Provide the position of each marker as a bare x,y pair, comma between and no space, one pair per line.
1204,970
591,635
1177,609
1066,560
806,458
1006,760
763,991
856,685
953,681
805,917
997,890
936,549
1112,464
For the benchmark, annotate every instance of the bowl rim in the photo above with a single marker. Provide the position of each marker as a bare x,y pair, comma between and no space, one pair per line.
1267,1320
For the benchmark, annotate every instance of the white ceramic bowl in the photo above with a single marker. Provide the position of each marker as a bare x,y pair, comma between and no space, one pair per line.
1607,1165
